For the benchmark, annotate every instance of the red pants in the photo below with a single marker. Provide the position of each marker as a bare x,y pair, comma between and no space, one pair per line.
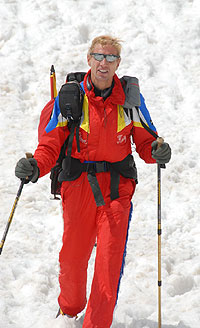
83,223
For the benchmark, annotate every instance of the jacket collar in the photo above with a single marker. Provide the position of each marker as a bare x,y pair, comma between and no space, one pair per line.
117,96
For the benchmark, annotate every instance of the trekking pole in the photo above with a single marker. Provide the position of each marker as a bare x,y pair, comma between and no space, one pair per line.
160,140
159,166
53,82
159,244
11,215
23,181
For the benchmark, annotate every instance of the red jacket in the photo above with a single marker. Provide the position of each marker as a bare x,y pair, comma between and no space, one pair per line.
105,132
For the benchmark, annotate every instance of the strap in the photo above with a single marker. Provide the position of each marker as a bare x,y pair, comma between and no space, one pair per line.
114,180
95,189
114,184
69,142
77,138
69,149
145,125
150,131
96,167
63,150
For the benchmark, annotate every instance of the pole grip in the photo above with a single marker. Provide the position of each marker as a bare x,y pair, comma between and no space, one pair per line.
160,141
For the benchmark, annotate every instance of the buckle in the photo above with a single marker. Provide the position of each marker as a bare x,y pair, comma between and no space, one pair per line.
101,167
96,167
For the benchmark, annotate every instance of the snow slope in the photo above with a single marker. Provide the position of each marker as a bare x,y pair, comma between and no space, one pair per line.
162,48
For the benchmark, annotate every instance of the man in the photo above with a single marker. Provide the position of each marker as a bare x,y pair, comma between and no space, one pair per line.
96,201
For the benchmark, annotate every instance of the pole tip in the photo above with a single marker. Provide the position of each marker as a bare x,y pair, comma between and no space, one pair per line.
52,70
1,247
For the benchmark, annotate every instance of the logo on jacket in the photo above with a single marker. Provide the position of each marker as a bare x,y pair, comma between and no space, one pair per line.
121,139
84,141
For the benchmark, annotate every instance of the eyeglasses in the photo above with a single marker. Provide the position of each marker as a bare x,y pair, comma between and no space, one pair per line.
100,57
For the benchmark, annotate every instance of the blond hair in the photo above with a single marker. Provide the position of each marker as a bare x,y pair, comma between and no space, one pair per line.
106,40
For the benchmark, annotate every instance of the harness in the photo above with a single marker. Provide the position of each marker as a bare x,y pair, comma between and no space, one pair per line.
126,168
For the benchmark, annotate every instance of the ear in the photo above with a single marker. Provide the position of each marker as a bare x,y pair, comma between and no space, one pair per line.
89,59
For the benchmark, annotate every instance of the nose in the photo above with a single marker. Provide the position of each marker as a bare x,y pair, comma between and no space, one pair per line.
104,61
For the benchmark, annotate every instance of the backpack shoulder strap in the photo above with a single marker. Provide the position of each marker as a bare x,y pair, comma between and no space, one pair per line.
151,131
135,99
73,125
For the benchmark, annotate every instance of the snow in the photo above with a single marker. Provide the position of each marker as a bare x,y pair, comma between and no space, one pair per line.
162,48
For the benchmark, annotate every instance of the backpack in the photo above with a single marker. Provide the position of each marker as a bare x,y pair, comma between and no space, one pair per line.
46,113
45,117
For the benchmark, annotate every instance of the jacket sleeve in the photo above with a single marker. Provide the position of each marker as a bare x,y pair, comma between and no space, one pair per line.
143,138
48,149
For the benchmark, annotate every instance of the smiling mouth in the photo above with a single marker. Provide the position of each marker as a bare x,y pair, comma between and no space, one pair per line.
103,71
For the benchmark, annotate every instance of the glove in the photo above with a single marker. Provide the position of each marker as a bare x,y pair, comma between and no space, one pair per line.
27,169
161,154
